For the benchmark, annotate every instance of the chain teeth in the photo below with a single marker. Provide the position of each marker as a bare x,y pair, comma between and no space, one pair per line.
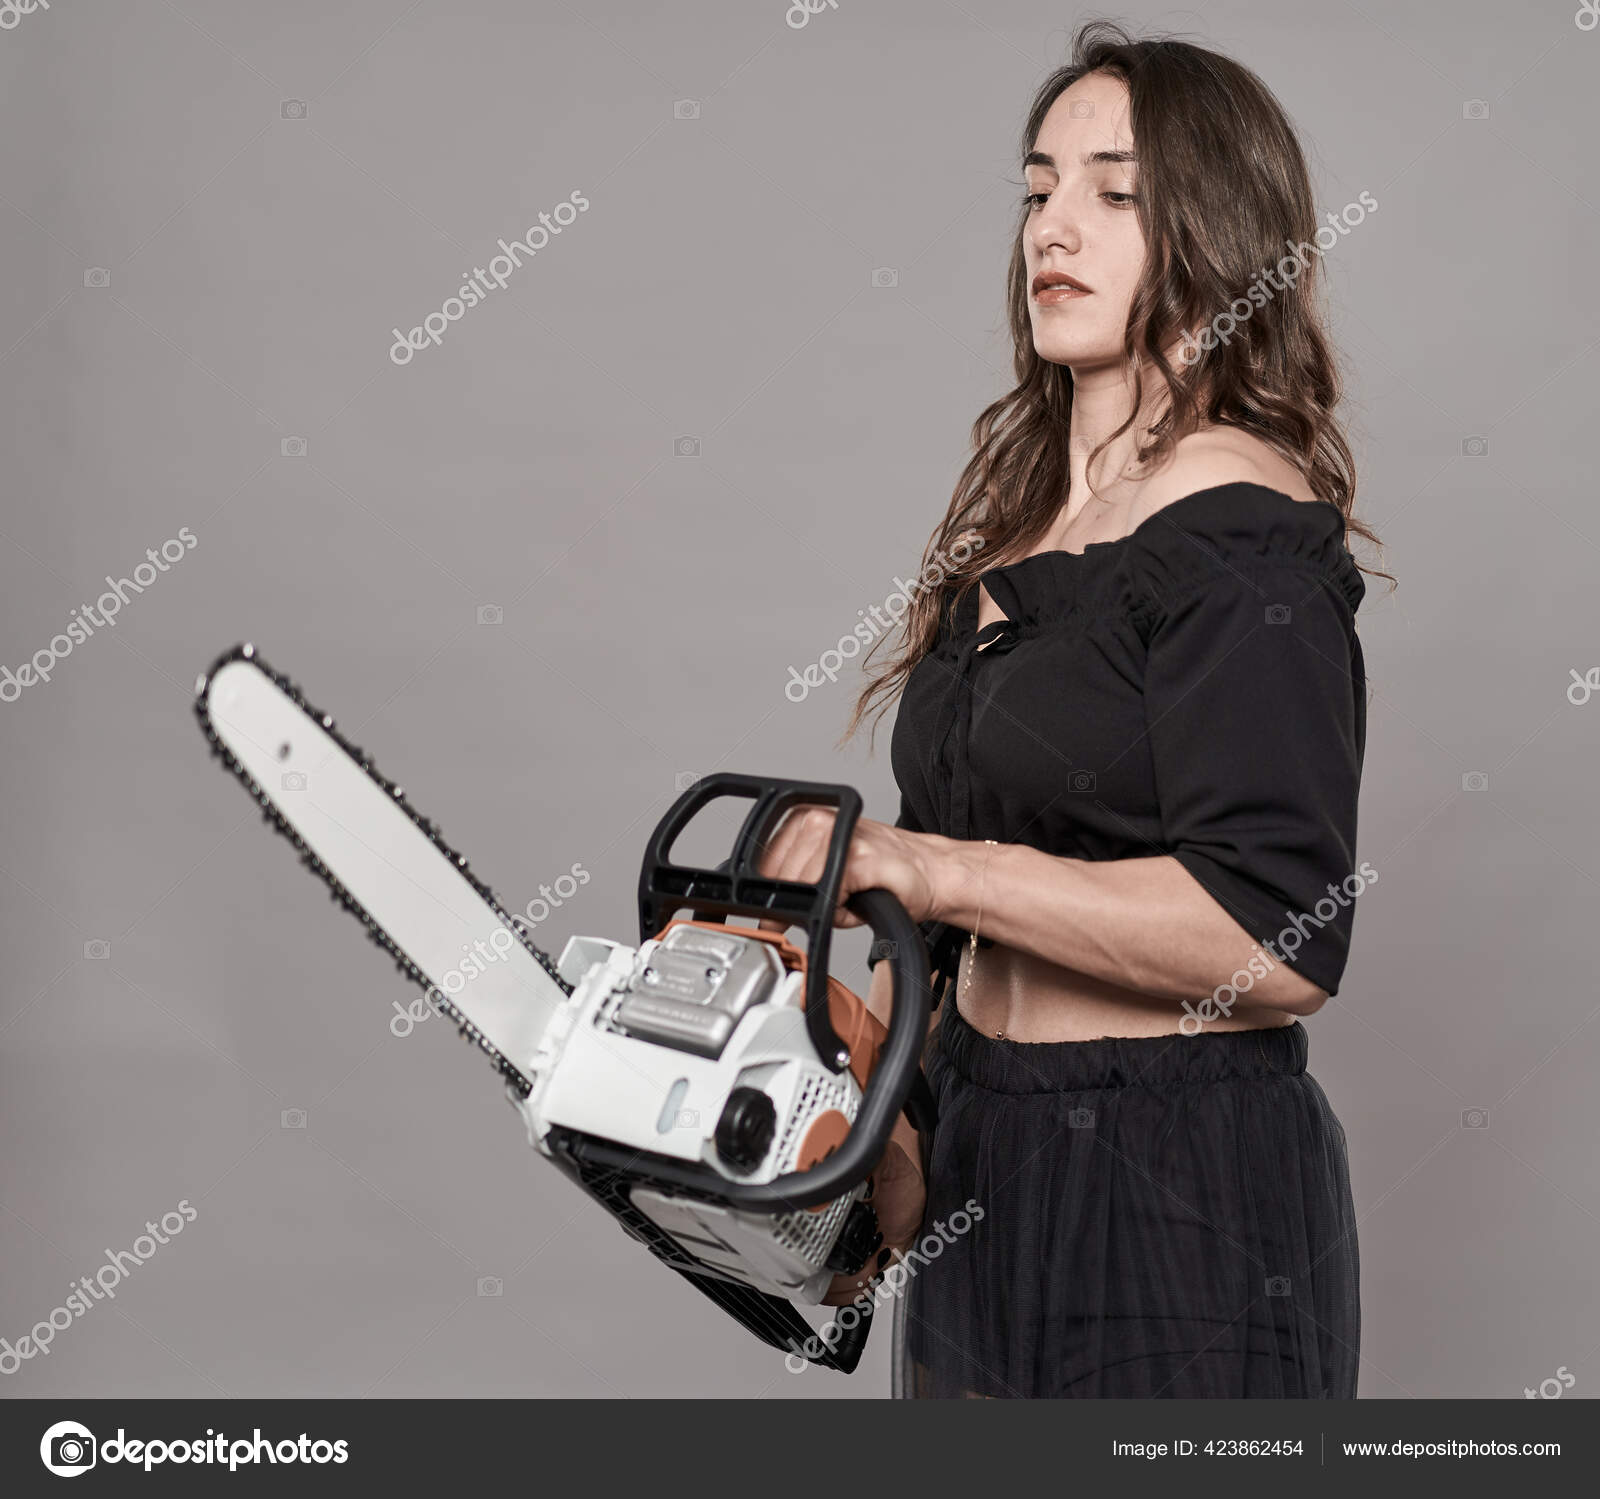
336,891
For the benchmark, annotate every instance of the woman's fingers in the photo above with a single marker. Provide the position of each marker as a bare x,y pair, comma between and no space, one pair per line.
796,851
879,856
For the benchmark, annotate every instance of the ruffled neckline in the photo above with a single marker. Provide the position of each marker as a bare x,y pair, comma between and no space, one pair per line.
1238,518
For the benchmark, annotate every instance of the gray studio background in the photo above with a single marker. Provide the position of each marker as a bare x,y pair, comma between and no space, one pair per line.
213,213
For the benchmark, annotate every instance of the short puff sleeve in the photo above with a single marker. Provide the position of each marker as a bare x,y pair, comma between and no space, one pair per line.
1255,699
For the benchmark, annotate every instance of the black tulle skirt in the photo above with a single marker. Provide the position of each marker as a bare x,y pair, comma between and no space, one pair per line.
1131,1218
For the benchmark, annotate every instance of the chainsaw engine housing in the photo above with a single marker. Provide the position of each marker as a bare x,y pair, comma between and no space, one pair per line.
694,1047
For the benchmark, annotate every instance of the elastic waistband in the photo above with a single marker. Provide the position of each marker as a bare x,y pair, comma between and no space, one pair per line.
1117,1061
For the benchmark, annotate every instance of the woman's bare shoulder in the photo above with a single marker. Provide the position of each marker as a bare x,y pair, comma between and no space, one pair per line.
1218,456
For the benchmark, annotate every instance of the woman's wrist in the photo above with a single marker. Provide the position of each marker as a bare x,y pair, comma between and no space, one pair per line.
955,874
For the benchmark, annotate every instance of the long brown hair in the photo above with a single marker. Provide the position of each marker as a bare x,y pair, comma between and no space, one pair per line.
1222,186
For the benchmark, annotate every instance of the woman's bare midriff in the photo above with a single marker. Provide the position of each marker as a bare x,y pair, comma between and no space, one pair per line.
1032,999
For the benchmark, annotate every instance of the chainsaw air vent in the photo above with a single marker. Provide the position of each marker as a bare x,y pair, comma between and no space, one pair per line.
819,1093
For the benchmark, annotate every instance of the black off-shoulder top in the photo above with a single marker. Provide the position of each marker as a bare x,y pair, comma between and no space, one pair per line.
1194,689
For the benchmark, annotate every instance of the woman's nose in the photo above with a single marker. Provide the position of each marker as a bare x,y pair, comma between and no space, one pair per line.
1055,224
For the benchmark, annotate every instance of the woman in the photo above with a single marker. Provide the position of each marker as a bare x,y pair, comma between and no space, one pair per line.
1129,748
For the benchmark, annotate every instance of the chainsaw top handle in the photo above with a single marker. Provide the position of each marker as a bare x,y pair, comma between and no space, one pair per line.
738,889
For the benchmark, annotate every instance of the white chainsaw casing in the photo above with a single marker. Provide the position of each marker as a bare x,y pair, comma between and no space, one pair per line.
592,1077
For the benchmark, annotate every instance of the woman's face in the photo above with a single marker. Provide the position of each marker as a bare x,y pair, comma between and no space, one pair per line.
1082,223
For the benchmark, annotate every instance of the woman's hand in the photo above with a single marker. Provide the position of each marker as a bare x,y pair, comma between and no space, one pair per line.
899,1197
880,857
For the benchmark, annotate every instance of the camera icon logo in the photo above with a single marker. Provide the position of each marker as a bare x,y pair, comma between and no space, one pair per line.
1080,1119
1082,109
1475,109
688,1119
686,447
293,447
1277,614
1474,1119
1081,780
884,947
292,1119
293,109
886,275
491,614
684,780
490,1285
1474,447
686,109
295,780
68,1448
97,950
1277,1285
1475,780
96,276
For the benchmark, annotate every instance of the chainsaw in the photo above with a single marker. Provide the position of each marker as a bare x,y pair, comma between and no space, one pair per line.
714,1087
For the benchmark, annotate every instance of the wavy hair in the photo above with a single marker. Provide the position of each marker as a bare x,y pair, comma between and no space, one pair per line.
1222,186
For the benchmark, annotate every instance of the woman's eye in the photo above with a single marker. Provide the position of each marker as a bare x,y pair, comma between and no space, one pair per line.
1036,201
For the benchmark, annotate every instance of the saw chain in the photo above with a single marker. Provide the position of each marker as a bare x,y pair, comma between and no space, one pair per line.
520,1084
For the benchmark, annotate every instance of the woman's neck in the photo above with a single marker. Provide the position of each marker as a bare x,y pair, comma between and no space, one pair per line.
1101,401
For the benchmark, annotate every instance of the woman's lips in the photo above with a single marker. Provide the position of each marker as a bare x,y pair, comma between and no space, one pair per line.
1053,296
1051,288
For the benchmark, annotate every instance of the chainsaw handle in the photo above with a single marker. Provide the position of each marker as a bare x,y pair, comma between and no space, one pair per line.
736,887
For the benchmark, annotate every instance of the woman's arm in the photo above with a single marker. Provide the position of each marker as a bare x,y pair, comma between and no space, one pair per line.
1146,924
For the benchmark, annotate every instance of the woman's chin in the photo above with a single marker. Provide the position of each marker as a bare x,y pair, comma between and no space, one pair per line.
1082,354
